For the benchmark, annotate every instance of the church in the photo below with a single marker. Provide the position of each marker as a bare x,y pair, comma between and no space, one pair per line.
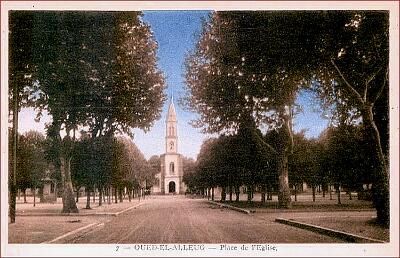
169,180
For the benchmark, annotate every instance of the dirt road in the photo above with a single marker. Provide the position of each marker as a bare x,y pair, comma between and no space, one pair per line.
177,219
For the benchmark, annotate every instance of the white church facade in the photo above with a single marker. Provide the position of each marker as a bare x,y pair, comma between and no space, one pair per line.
169,180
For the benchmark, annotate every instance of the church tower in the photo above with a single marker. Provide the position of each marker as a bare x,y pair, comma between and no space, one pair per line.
171,137
171,161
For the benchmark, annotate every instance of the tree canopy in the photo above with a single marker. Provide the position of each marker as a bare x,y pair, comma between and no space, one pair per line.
247,68
31,161
93,70
101,74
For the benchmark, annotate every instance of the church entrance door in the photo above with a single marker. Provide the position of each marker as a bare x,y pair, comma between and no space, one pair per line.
171,187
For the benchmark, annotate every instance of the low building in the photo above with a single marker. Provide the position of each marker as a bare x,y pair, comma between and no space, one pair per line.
48,191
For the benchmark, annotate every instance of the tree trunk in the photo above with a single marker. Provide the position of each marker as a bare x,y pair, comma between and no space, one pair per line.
120,194
115,195
94,194
284,200
212,193
69,204
100,196
295,192
12,184
237,193
230,193
284,196
313,193
380,190
263,190
330,192
223,194
34,197
337,186
269,192
19,194
249,193
350,197
77,193
87,198
24,191
262,197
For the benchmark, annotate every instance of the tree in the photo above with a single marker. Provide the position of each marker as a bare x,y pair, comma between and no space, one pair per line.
154,165
38,165
347,157
255,163
298,162
214,166
353,76
140,174
188,168
20,76
120,165
254,62
101,75
204,170
90,165
129,167
245,72
230,162
187,164
31,162
22,176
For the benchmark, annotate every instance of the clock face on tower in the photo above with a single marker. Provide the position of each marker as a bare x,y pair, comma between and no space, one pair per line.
171,145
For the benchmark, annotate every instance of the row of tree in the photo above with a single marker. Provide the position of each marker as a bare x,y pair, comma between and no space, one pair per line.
340,157
110,166
248,67
31,162
100,165
91,71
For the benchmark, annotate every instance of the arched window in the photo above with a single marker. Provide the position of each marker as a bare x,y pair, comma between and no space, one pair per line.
171,167
171,130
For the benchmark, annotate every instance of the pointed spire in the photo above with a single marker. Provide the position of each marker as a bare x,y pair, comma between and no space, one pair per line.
171,115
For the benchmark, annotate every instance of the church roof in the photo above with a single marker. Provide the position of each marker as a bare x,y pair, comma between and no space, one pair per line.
171,115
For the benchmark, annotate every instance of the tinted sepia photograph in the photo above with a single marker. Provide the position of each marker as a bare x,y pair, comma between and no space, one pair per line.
199,129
